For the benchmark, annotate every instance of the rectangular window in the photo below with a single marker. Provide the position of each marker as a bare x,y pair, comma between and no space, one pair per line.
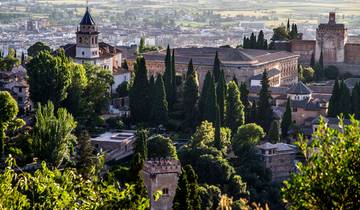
20,89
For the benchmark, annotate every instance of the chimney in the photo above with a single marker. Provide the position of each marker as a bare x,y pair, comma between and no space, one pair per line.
332,18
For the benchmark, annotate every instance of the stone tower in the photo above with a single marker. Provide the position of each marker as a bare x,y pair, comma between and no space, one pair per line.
330,40
161,175
87,46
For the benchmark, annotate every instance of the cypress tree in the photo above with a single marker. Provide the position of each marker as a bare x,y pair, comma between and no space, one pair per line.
221,95
210,102
312,61
234,108
266,46
217,140
168,75
345,100
244,97
261,41
152,92
191,94
355,101
253,112
321,60
265,113
140,146
137,163
125,65
216,67
194,195
173,80
160,106
252,41
245,42
181,199
286,119
274,132
334,100
203,95
139,93
288,25
22,58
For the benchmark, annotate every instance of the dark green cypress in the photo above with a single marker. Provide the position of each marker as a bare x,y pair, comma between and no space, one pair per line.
345,100
210,102
265,113
245,42
235,80
139,93
152,92
321,60
168,75
159,111
288,25
22,58
355,101
181,199
234,108
194,195
252,41
286,119
217,140
274,132
191,94
221,95
140,145
203,95
261,40
253,112
173,80
216,67
312,61
334,100
244,97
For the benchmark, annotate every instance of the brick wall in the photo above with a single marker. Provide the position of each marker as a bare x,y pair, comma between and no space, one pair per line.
352,53
304,48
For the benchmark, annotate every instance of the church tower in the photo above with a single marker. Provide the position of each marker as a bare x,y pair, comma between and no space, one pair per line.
87,46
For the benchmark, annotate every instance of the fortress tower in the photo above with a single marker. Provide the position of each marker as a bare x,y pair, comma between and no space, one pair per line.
330,40
161,175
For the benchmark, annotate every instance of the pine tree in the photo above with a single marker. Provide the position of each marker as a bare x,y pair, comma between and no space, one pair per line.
221,95
140,145
334,100
139,93
168,77
181,199
191,94
210,102
274,132
217,140
203,95
286,119
234,117
159,113
194,195
345,100
216,67
265,113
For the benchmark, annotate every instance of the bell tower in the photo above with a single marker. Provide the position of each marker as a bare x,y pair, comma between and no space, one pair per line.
87,46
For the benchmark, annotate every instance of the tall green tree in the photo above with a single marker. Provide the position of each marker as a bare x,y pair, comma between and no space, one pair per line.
139,93
334,153
216,67
253,113
194,194
210,102
286,119
288,25
221,89
168,76
334,100
9,61
53,138
140,146
181,199
264,113
252,41
234,108
345,100
136,165
202,100
36,48
312,61
85,158
8,112
191,94
217,140
355,101
161,147
274,132
261,41
321,60
244,97
159,113
173,79
152,91
49,77
141,45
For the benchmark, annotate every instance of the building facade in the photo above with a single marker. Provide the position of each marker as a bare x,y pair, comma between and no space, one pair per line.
243,63
161,175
